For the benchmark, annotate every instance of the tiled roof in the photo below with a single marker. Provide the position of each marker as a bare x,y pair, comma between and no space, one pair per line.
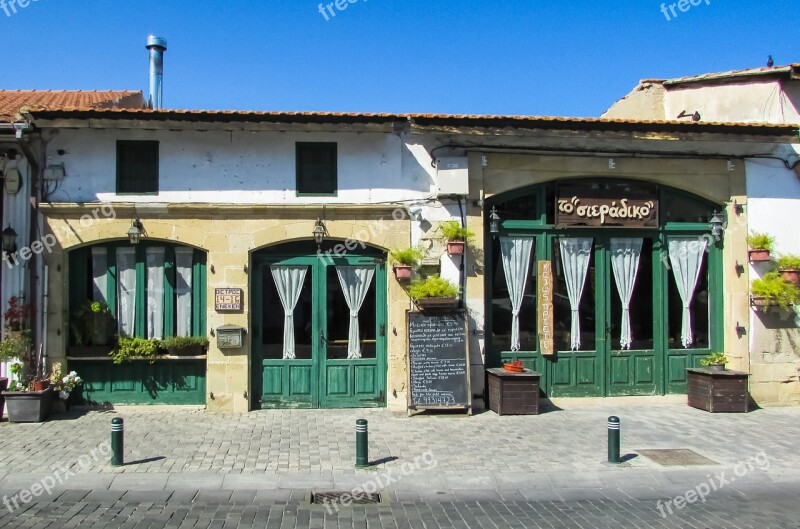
791,71
11,101
446,120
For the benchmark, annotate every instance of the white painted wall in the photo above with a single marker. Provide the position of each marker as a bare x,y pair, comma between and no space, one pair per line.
774,202
766,102
237,167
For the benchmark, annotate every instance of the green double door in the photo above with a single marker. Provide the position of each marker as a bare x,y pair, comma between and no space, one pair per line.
334,353
648,358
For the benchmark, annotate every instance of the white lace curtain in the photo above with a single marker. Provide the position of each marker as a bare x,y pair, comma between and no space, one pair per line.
100,275
355,281
575,255
183,290
154,260
289,282
686,257
126,290
625,254
516,256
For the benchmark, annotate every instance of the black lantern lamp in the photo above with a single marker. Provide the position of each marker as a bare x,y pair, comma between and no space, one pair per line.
319,232
136,231
9,240
717,225
494,222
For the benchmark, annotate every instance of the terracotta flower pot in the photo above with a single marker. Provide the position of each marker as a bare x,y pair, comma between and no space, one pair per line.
41,385
792,276
402,272
455,247
758,256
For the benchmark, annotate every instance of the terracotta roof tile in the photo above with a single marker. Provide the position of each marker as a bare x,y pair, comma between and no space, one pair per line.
11,101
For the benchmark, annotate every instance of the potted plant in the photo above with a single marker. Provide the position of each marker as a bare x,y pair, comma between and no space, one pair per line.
134,348
789,268
714,361
760,246
93,327
404,261
434,292
456,236
63,386
185,345
16,315
15,345
22,402
772,289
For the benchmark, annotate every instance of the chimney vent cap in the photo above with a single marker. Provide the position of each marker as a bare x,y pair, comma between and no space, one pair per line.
156,42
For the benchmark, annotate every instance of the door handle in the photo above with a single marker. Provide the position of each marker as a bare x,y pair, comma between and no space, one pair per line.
383,329
322,340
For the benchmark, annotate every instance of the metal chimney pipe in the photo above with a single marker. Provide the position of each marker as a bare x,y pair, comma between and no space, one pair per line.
157,47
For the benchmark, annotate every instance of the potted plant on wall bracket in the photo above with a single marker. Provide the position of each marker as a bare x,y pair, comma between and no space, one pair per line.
185,345
456,235
93,328
760,245
404,261
434,292
789,268
773,290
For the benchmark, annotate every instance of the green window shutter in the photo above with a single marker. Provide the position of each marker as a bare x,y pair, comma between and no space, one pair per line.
137,167
140,320
169,291
78,277
199,294
316,168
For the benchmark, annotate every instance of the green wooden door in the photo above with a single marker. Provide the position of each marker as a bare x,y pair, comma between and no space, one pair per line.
322,366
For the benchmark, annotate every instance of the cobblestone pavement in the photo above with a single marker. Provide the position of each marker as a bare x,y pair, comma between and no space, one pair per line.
245,510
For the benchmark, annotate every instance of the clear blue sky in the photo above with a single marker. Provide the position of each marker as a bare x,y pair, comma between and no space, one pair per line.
543,57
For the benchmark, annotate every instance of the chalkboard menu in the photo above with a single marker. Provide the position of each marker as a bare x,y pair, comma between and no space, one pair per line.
438,361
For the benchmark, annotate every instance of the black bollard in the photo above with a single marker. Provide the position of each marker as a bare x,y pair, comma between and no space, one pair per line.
613,440
117,442
362,444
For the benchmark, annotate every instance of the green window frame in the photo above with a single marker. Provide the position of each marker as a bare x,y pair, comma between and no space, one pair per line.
137,167
81,285
317,168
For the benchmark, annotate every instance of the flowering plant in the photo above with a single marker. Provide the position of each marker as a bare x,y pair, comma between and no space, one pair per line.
64,384
71,381
17,314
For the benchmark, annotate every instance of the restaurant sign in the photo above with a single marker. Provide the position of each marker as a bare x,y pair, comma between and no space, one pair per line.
544,307
592,207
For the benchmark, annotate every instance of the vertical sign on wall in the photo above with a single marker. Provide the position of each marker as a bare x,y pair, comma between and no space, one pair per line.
544,308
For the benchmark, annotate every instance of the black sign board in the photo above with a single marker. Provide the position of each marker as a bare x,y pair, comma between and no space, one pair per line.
438,356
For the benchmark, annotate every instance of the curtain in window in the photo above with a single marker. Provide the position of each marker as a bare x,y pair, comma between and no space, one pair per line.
686,257
155,292
575,255
183,290
516,255
289,282
100,275
355,281
126,290
625,254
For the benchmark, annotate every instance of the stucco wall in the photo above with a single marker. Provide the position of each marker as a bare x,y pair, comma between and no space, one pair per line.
742,102
774,208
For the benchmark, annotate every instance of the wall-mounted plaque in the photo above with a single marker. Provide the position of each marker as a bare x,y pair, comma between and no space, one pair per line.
544,308
586,206
226,299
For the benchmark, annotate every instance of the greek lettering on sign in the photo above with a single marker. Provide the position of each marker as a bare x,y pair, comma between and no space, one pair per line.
616,211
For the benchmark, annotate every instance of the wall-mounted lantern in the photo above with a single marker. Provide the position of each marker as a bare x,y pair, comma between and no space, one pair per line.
9,240
136,231
494,222
717,225
319,232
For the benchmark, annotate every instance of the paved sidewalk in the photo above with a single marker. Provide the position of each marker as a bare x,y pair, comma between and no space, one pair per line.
559,455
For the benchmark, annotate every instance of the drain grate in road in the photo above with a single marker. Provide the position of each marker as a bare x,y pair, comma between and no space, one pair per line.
345,498
675,457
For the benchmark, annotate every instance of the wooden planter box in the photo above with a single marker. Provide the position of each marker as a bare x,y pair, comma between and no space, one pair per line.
28,406
437,303
513,393
718,391
89,351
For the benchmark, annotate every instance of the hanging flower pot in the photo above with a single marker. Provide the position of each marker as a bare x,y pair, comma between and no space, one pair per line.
455,247
792,276
758,256
402,272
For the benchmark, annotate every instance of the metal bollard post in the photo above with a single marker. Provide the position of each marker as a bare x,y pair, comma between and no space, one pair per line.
613,440
362,444
117,442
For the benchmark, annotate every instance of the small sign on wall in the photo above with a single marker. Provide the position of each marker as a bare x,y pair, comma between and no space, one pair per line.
227,299
544,308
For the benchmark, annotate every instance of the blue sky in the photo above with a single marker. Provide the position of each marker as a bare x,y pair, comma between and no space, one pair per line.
541,57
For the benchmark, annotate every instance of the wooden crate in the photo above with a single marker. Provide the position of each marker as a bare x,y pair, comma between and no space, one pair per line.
718,391
513,393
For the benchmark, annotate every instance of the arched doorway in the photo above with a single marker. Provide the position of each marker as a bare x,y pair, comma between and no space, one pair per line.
319,327
636,295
